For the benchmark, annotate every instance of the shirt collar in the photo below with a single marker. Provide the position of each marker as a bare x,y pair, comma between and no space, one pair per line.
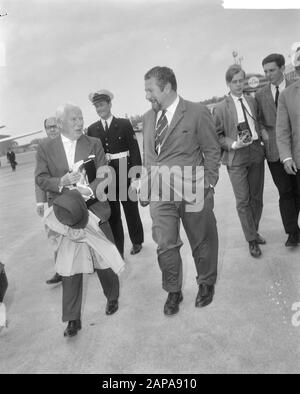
67,140
108,120
236,99
281,86
172,108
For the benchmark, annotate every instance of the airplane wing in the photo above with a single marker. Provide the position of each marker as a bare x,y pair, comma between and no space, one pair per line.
10,138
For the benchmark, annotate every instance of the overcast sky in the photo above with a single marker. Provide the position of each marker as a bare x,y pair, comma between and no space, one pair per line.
58,51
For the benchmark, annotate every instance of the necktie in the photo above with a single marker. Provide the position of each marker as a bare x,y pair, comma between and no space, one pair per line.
106,127
276,95
245,114
160,131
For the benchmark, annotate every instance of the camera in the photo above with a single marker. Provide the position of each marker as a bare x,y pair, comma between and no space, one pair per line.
244,133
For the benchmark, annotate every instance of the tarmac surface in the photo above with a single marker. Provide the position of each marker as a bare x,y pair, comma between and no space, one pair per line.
252,326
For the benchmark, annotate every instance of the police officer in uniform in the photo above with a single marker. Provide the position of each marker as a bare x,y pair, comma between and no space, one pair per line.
121,148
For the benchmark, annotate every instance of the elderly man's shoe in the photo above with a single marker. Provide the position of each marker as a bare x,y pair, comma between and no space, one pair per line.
72,328
136,248
292,240
205,295
260,240
111,307
172,304
56,278
254,249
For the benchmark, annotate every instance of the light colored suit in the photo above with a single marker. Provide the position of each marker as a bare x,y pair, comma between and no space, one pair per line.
51,165
190,140
267,117
190,136
288,123
245,165
285,183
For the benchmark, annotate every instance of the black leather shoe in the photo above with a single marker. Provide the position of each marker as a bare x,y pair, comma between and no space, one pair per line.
205,295
136,248
254,249
72,328
56,278
172,304
111,307
260,240
292,240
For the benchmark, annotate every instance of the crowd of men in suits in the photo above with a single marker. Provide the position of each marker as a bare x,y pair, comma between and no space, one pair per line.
241,132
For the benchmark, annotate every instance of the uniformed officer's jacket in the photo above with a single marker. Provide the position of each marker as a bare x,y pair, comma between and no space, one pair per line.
119,138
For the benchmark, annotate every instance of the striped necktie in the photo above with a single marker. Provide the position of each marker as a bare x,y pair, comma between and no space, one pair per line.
160,131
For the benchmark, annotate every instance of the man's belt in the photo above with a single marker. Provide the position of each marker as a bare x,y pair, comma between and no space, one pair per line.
115,156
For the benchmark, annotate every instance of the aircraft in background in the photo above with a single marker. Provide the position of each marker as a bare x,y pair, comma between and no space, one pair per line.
11,138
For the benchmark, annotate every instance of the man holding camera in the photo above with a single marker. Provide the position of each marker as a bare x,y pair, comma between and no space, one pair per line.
243,154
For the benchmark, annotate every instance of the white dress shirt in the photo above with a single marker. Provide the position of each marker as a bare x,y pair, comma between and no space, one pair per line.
69,147
281,86
240,114
169,111
106,120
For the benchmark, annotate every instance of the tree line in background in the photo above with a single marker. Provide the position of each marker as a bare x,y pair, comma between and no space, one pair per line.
138,119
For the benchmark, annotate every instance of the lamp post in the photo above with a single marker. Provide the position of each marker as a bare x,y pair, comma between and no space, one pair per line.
235,55
237,59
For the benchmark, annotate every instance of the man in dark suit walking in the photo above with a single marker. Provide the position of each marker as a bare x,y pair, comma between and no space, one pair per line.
243,154
55,171
267,101
180,137
121,150
11,157
50,125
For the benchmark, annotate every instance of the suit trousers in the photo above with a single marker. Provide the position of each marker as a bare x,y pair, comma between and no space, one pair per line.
289,196
72,286
201,230
72,292
247,179
3,282
134,223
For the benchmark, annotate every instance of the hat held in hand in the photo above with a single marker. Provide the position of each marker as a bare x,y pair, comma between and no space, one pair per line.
70,209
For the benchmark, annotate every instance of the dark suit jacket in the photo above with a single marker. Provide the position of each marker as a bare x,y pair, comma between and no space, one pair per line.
120,138
51,165
190,140
288,123
267,116
226,121
11,156
40,195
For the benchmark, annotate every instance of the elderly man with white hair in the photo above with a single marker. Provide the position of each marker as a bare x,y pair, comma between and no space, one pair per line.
55,171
